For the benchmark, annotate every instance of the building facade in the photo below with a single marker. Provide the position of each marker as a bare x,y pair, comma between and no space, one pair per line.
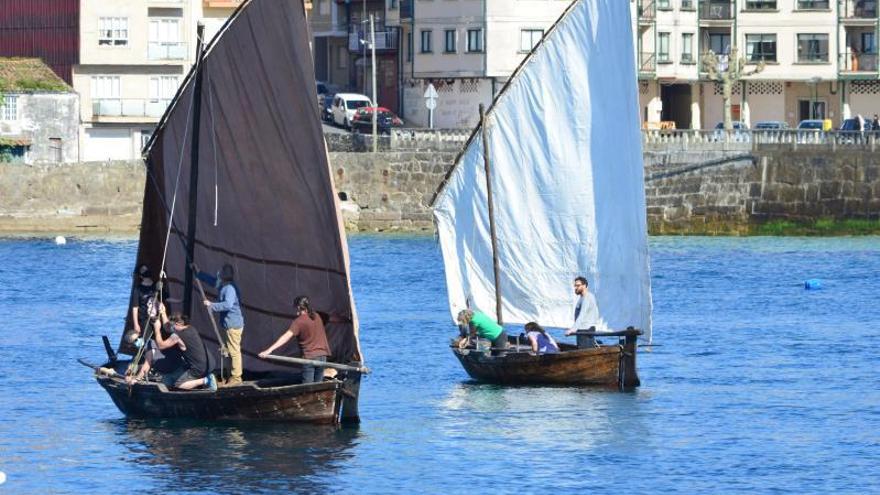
134,54
39,114
820,59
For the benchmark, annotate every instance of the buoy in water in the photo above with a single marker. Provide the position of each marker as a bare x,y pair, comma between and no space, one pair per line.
813,284
60,240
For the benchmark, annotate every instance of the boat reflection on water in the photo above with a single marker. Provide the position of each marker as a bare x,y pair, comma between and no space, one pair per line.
235,456
522,413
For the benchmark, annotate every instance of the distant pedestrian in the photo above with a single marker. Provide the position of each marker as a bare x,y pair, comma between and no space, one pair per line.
875,124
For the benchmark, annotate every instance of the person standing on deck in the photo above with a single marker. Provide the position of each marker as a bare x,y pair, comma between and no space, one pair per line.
586,312
228,307
478,324
143,300
308,328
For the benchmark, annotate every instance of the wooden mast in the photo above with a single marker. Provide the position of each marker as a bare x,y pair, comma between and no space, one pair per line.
487,168
193,176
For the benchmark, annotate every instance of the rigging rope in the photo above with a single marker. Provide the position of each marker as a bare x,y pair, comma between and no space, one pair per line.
213,145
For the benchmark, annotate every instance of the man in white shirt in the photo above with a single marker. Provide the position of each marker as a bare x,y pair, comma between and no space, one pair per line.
586,312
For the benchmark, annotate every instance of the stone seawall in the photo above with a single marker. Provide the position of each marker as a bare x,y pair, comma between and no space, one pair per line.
714,190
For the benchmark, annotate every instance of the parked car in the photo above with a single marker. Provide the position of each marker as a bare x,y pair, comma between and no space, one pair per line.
810,130
345,105
385,120
739,133
771,125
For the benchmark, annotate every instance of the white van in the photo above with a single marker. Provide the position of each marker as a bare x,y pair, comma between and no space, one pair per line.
345,105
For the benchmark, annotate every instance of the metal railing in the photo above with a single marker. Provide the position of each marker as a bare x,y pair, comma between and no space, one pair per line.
857,9
128,107
166,50
716,10
385,39
753,137
857,62
646,10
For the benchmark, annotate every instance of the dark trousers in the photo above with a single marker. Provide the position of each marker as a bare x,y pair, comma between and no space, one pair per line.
312,374
500,342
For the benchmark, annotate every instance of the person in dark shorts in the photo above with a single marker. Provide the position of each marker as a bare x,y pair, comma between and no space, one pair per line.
308,328
194,370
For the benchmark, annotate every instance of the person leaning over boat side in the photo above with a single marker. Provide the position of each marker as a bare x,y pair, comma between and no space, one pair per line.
542,342
308,328
195,369
478,324
143,300
229,308
586,312
165,362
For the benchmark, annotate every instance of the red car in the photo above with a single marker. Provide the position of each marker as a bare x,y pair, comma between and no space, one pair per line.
385,120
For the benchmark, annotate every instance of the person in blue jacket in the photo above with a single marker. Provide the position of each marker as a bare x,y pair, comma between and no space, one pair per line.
228,307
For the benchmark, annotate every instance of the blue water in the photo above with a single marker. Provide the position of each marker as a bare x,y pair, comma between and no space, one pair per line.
756,386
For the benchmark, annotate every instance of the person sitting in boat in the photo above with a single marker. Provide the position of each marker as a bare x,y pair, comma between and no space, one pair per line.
228,307
308,328
477,324
542,342
586,311
143,301
164,362
195,369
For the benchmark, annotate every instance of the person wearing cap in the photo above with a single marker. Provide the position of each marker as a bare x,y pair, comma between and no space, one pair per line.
228,307
143,300
308,328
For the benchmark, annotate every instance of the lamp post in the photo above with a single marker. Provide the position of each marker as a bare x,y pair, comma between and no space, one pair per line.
814,82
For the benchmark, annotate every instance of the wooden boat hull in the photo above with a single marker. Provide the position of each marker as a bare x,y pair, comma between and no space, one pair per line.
307,403
610,365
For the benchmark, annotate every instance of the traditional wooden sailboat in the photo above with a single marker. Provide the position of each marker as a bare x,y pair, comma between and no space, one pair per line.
237,172
549,187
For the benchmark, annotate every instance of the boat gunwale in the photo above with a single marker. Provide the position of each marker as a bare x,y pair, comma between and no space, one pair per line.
236,392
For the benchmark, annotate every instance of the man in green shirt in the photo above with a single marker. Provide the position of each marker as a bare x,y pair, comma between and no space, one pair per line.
477,324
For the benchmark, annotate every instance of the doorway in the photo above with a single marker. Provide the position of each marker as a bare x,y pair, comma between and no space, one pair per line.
811,109
676,100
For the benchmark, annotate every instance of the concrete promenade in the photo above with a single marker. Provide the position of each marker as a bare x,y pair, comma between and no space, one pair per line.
694,185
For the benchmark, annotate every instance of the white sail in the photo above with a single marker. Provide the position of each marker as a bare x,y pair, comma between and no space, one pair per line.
567,178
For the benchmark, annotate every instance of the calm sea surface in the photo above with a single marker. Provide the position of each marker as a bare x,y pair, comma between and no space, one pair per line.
756,386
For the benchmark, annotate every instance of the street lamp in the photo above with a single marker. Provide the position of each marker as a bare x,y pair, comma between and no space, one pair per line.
814,82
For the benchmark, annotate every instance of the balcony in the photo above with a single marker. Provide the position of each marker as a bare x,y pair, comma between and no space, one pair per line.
647,65
386,39
166,50
716,10
854,65
857,10
646,10
128,107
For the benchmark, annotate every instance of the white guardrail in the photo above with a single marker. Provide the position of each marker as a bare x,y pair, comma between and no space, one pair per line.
794,137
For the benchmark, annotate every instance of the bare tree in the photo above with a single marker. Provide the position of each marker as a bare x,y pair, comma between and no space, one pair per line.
727,70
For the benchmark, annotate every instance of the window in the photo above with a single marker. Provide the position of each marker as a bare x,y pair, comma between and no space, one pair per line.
113,31
687,5
426,41
812,47
760,4
55,150
663,4
663,47
409,47
342,55
687,48
528,38
813,5
105,87
449,37
164,30
719,43
392,4
475,40
163,87
146,134
869,44
9,108
761,47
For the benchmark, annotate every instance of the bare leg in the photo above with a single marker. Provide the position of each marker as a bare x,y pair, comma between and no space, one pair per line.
191,384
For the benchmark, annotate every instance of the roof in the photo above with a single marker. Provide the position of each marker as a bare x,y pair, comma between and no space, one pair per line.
29,75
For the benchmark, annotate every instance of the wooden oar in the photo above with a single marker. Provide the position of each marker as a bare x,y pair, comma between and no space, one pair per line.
322,364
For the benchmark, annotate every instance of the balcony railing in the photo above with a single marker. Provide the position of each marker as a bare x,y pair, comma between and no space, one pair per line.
716,10
646,10
166,50
385,40
128,107
857,62
647,63
742,138
857,9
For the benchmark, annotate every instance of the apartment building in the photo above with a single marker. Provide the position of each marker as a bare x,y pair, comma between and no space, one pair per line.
466,48
820,59
133,56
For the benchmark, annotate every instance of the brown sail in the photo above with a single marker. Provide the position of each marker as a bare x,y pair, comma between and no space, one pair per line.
252,188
